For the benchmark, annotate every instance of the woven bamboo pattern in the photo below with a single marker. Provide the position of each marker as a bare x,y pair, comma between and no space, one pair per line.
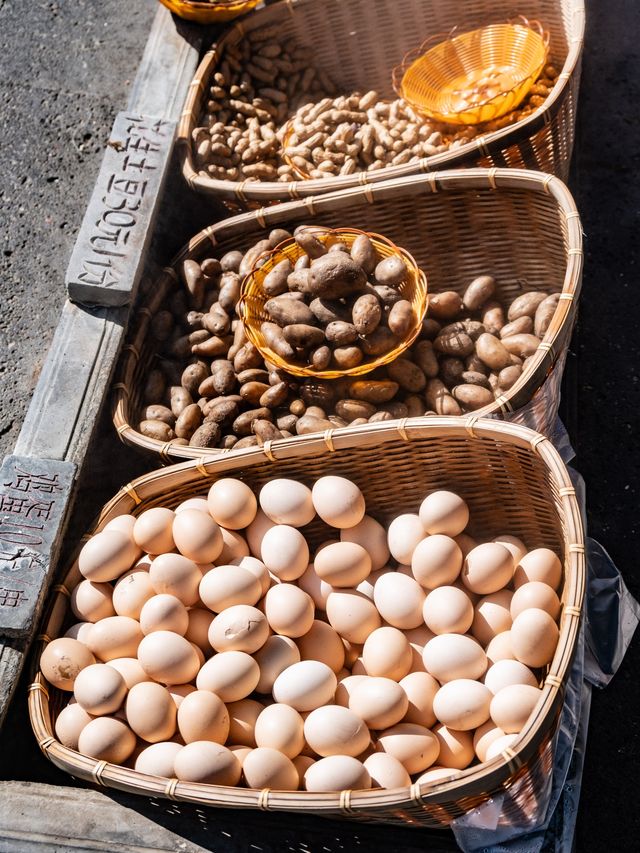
359,44
210,13
522,227
512,478
251,306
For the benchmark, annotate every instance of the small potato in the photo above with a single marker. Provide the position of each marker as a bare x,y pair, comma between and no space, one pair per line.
276,341
223,411
479,291
180,399
472,362
223,376
277,236
310,244
472,377
189,421
230,261
213,347
387,295
439,400
407,374
253,391
217,322
247,441
451,370
366,314
307,424
336,275
320,358
525,305
242,424
430,329
251,256
154,386
458,344
159,413
364,254
391,272
508,376
374,390
299,281
493,317
247,356
341,333
253,374
473,397
492,352
303,336
275,281
425,358
473,328
521,345
347,357
415,406
380,416
523,325
265,431
274,396
286,312
544,314
401,318
395,409
287,423
326,311
349,410
229,291
206,435
445,306
157,429
379,341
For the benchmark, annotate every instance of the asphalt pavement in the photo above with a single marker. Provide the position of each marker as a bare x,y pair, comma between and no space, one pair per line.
65,70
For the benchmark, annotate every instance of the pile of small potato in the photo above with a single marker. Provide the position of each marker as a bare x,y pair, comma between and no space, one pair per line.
211,649
331,308
208,385
271,115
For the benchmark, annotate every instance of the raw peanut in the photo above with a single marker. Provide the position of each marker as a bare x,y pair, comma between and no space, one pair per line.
159,413
379,341
247,356
454,343
162,325
180,399
352,409
493,317
479,291
154,386
492,352
347,357
380,416
364,253
341,333
439,400
391,272
320,358
242,424
525,305
326,311
473,397
451,370
206,435
189,421
253,391
249,259
247,441
303,335
229,291
253,374
374,390
217,322
307,424
415,406
286,312
521,345
472,377
276,340
310,244
401,318
336,275
157,429
445,306
212,347
407,374
224,411
430,329
366,313
274,396
544,314
230,261
193,281
387,295
287,423
265,431
508,376
275,281
193,376
523,325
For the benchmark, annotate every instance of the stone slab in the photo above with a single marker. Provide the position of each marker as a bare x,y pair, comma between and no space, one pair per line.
34,496
108,257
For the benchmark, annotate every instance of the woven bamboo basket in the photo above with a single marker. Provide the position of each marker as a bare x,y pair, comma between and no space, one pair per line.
518,225
359,43
210,13
512,478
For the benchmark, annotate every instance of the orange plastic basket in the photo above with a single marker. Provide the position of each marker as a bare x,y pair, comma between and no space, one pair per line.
476,76
209,13
253,298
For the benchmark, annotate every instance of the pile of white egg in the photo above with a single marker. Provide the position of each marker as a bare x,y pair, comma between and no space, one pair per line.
213,648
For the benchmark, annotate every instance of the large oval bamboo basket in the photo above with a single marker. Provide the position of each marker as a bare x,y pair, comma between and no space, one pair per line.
513,480
519,226
360,42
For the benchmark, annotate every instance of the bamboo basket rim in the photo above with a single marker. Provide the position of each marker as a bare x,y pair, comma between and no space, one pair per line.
269,217
489,774
251,290
271,191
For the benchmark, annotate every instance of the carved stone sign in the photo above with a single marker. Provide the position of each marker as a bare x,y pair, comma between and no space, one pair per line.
107,260
34,495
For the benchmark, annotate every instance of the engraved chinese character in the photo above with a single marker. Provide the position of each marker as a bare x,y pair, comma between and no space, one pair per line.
16,506
11,597
20,533
28,481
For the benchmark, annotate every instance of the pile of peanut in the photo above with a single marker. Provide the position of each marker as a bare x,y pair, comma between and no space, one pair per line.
271,115
336,307
210,387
